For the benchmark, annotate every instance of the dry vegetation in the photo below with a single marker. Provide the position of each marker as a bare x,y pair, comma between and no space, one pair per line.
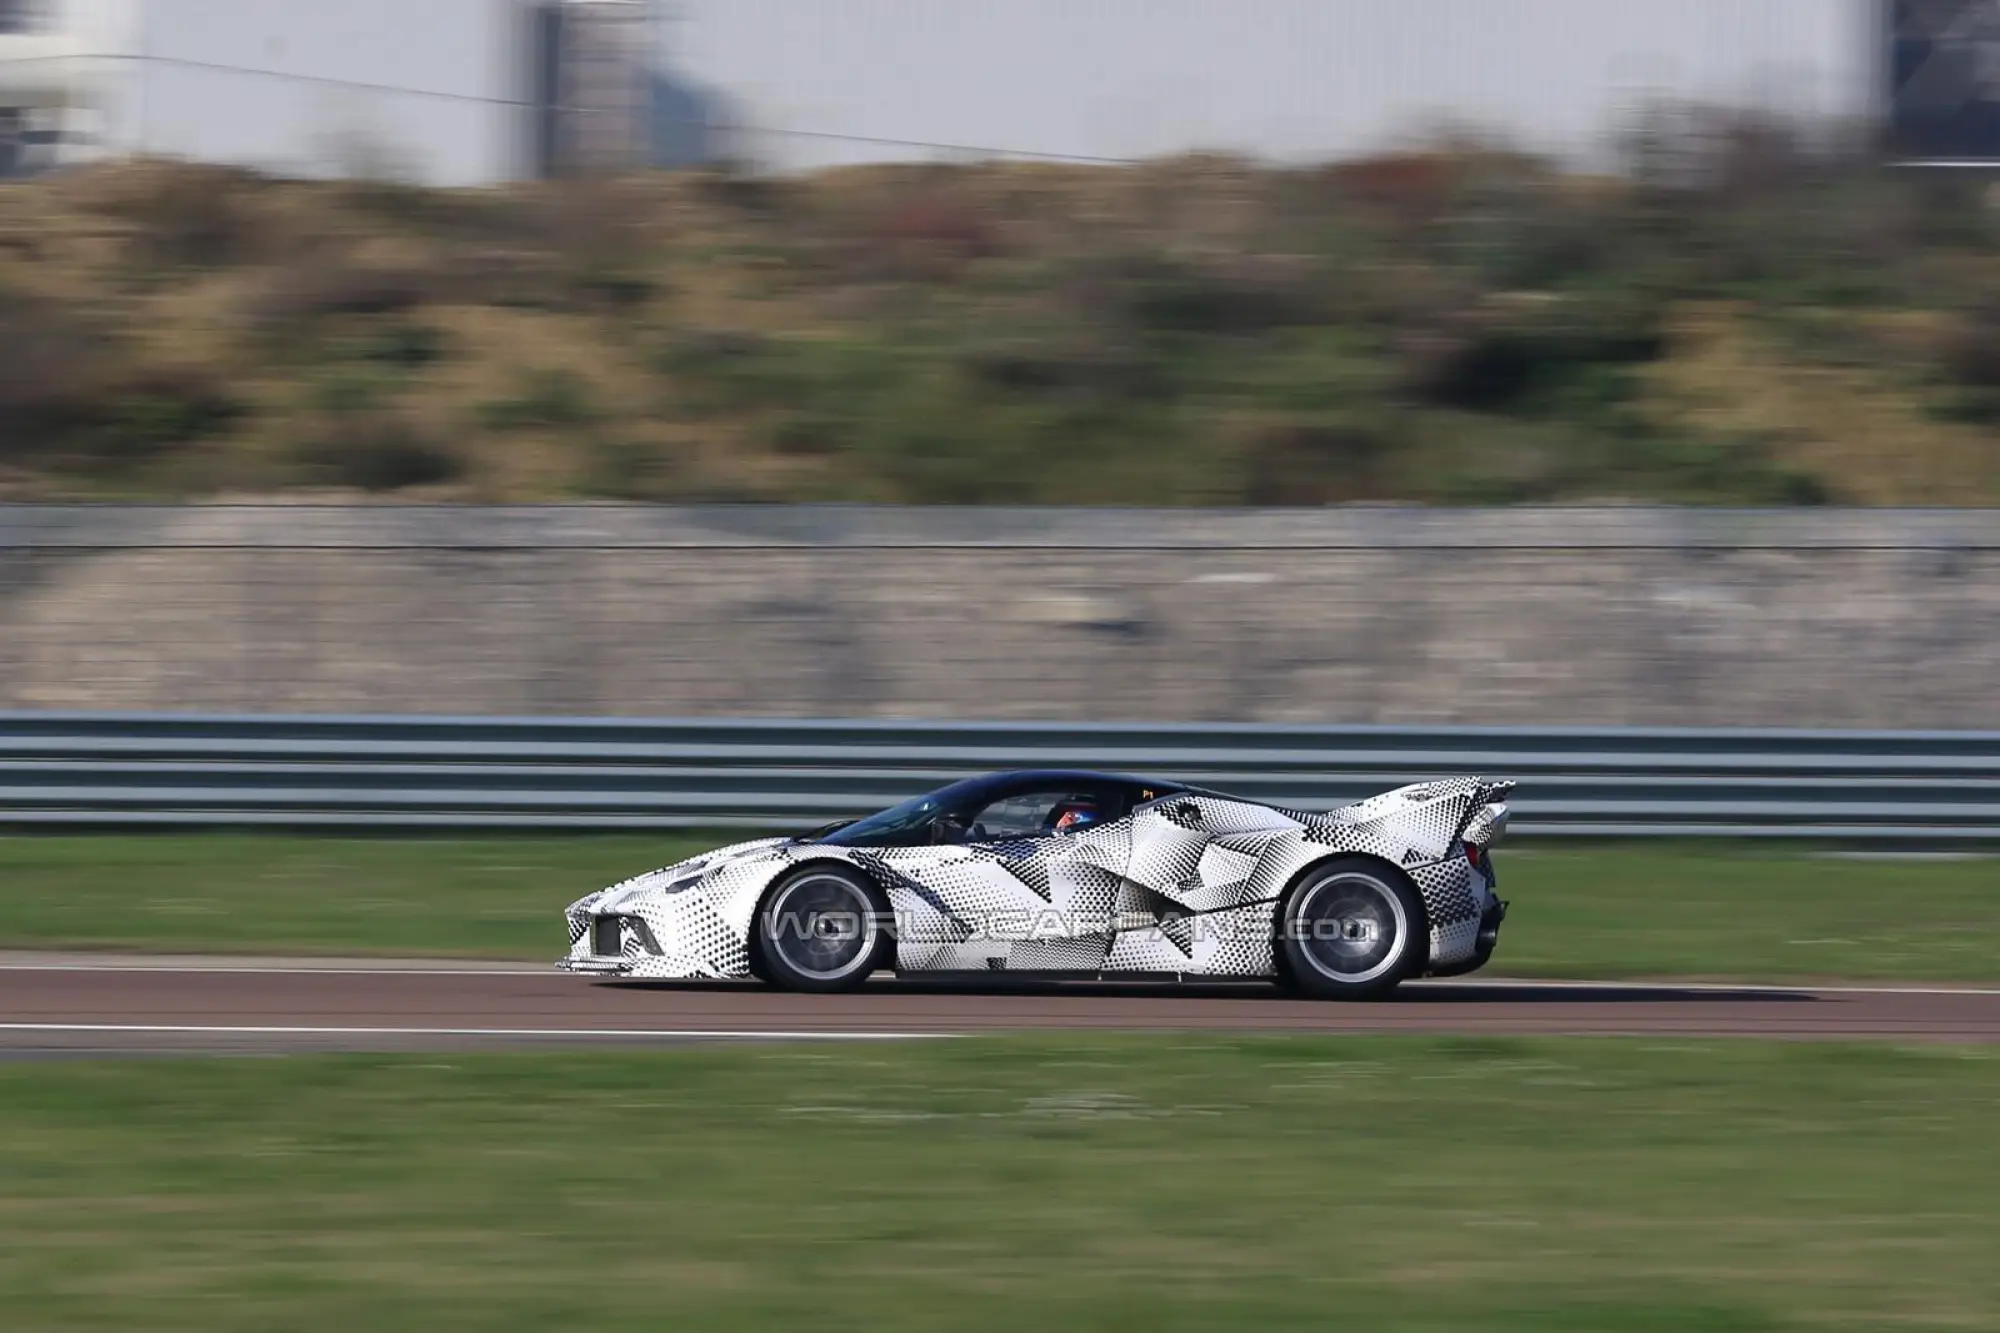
1738,320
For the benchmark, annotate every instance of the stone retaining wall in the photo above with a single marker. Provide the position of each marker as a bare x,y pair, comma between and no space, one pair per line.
1579,616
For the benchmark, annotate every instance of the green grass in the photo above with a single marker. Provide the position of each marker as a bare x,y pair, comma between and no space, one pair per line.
1600,911
499,897
1379,1184
1712,911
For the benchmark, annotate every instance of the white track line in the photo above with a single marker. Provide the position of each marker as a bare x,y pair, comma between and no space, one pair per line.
280,968
637,1034
140,967
1700,987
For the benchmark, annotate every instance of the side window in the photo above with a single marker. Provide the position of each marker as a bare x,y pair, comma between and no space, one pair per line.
1038,814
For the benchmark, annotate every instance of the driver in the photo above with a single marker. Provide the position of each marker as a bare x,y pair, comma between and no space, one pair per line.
1073,816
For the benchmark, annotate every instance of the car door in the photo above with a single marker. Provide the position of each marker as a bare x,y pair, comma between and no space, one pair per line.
1034,896
1195,860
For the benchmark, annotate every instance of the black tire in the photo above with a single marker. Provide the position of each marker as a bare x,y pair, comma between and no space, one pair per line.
1351,929
756,952
822,929
1282,975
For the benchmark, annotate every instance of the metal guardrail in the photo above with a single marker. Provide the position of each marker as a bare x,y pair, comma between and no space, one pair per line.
468,773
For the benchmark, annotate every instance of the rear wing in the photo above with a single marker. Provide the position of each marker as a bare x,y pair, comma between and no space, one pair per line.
1486,816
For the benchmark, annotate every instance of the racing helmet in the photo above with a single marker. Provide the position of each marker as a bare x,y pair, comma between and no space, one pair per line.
1073,816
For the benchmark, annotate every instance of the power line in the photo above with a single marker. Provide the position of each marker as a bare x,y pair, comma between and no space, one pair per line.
480,99
288,76
967,149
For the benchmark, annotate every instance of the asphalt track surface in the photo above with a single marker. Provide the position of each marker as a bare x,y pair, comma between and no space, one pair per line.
56,1005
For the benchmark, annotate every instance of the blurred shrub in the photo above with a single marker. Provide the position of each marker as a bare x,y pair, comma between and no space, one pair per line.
406,346
189,215
621,469
807,435
931,234
1317,463
1028,367
604,238
1240,297
455,216
75,398
298,295
550,399
155,411
1502,351
1407,189
1734,467
348,389
1971,351
375,451
55,371
508,277
1459,323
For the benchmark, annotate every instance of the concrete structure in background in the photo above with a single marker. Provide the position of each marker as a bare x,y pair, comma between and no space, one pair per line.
1944,81
867,80
1534,616
466,91
449,92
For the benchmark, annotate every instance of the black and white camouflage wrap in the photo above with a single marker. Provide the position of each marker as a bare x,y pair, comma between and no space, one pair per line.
1187,885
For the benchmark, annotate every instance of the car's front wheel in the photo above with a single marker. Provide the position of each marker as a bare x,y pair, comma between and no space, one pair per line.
1349,930
823,929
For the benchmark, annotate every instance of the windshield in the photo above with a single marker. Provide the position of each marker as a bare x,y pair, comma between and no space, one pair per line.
900,825
911,824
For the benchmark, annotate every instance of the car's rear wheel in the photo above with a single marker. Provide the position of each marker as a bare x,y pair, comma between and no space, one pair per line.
1349,930
822,929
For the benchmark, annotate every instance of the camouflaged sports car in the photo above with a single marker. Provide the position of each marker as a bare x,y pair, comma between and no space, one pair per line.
1082,875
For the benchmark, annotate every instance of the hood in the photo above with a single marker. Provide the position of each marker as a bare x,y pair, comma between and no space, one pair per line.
680,875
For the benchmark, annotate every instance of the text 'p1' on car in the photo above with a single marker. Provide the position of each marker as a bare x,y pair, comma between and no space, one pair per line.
1075,874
